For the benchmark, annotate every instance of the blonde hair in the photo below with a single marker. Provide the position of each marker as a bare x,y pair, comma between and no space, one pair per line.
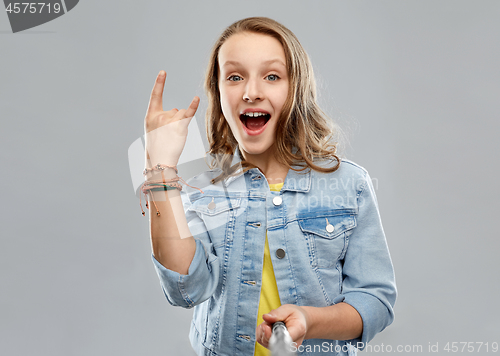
301,125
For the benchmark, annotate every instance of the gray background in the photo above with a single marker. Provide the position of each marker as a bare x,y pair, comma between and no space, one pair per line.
414,84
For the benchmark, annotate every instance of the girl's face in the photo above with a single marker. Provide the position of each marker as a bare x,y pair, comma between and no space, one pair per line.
253,84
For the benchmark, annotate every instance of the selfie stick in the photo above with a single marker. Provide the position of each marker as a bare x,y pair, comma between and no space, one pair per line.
280,342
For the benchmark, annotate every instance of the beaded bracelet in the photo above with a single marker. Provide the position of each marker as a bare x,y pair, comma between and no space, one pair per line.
159,167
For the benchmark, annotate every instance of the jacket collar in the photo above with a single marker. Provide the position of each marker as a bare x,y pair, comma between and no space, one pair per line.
297,181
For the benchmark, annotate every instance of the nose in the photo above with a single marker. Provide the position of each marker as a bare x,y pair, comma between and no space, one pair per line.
253,91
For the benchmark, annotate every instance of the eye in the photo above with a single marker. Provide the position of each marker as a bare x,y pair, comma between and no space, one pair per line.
272,77
234,78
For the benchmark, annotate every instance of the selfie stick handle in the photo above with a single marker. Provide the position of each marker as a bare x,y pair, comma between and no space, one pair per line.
281,343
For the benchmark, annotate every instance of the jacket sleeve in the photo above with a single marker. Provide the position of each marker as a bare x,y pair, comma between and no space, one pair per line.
203,274
368,275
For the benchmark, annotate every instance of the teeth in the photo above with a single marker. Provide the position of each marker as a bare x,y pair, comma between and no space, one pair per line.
254,114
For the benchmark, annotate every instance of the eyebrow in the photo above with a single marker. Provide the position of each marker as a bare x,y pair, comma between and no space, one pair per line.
268,62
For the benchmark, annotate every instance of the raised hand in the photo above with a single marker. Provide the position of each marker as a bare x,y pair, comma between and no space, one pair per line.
166,131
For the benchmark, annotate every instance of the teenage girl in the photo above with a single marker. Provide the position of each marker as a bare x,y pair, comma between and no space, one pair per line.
280,228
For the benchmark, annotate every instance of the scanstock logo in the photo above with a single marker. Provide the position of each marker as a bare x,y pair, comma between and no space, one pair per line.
24,15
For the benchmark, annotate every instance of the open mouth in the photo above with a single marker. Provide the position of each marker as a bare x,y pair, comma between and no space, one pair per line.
255,121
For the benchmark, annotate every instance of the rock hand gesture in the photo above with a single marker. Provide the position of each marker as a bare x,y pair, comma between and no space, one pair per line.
166,131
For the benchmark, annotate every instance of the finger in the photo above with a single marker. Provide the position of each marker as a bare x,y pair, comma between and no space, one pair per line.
265,335
270,318
172,112
156,100
267,330
191,110
259,335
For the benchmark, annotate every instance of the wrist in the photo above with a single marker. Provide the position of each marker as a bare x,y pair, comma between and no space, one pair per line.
309,314
153,160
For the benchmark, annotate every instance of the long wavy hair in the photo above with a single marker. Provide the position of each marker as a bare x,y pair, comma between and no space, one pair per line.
304,133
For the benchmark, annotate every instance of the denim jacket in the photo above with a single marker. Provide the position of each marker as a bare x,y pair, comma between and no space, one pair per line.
327,245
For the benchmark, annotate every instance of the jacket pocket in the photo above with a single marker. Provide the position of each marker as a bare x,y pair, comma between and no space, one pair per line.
327,234
217,212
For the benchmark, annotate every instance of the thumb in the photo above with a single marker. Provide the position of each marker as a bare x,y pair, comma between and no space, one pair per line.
279,314
269,318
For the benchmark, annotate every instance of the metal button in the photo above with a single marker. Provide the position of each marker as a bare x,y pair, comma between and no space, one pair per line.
330,228
211,205
277,201
280,253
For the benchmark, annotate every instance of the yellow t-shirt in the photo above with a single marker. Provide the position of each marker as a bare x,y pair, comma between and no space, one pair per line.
269,296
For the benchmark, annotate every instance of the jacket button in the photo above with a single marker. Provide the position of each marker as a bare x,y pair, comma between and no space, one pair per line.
280,253
330,228
211,205
277,201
